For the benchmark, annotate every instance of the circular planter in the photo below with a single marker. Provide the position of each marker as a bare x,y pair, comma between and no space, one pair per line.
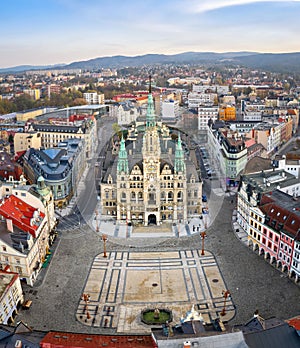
156,316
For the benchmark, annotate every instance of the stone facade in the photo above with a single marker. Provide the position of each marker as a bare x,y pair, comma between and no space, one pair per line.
151,181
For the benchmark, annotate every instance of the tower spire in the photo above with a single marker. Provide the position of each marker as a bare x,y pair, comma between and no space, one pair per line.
150,118
150,90
179,165
122,159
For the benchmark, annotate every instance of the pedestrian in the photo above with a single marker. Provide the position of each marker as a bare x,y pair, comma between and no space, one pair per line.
193,228
197,228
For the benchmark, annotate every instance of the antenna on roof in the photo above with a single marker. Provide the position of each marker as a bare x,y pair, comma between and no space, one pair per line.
150,84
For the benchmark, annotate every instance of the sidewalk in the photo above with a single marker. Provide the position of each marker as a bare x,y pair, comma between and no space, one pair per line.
81,185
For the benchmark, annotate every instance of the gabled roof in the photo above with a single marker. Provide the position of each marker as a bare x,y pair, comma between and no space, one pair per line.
282,212
24,216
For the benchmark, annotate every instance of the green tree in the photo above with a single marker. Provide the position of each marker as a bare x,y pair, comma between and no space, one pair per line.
116,128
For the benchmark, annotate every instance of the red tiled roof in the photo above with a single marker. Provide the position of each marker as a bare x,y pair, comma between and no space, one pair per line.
20,213
295,323
280,218
250,142
55,339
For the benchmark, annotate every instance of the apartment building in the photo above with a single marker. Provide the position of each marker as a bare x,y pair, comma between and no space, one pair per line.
61,167
170,110
267,134
33,93
227,113
253,185
52,134
197,99
127,113
27,140
274,231
94,98
207,115
219,89
11,296
228,151
24,238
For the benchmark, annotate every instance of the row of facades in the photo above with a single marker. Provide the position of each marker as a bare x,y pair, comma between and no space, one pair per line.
268,211
27,231
58,151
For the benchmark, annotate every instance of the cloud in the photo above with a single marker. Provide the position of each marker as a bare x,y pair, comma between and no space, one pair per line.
201,6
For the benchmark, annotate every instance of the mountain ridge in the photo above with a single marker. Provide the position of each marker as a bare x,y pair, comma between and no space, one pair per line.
278,62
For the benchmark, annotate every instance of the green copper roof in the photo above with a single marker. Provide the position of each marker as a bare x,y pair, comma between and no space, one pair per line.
179,165
122,158
150,118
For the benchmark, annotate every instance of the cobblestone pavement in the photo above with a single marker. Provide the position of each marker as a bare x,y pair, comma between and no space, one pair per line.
122,284
252,282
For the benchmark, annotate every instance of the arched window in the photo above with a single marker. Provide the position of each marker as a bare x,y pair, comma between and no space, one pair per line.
163,195
132,195
170,195
140,195
180,196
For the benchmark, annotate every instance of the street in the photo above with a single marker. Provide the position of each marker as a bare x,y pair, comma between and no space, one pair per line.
252,282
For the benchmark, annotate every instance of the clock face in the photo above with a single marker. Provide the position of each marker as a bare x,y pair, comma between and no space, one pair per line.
151,168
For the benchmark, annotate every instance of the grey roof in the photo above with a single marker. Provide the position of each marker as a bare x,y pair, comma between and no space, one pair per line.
285,201
136,158
269,180
228,340
40,127
53,163
29,338
257,163
276,337
17,239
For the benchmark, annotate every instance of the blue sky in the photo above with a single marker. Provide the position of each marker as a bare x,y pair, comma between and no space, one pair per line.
41,32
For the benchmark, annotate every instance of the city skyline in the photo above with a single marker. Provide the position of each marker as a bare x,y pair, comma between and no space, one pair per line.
64,31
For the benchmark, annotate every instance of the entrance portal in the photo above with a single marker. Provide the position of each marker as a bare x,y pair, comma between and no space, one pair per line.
152,219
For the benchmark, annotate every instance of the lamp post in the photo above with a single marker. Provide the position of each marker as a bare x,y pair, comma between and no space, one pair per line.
104,238
225,294
97,226
86,299
203,235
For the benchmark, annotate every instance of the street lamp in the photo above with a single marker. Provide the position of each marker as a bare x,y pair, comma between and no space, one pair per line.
86,299
225,294
203,235
104,238
97,226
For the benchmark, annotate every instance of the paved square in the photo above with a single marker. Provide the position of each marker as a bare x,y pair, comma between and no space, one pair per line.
124,283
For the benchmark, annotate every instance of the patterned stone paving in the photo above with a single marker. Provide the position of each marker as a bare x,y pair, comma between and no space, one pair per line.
124,283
